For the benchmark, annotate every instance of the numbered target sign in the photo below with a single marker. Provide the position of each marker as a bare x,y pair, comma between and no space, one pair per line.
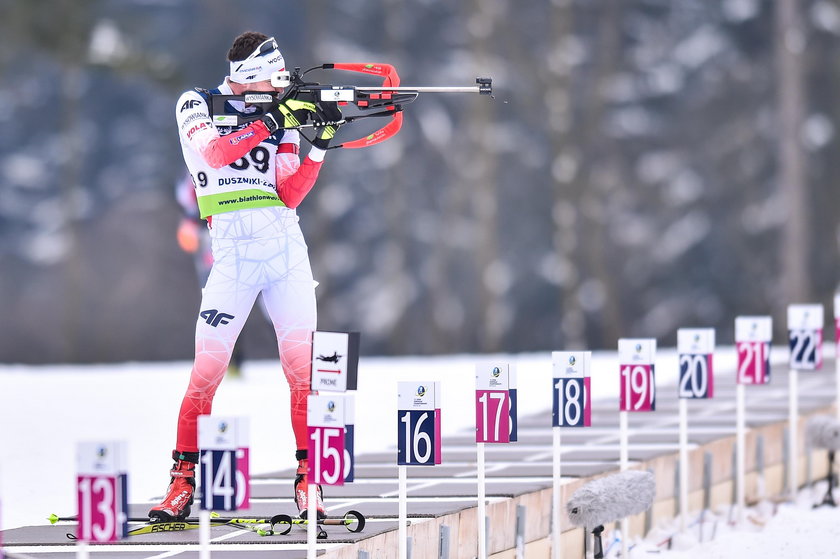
571,404
753,335
325,426
805,336
335,361
492,403
349,437
218,440
638,387
695,347
418,424
102,491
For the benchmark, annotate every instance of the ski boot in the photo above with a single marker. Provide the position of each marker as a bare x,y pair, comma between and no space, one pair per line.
179,496
302,493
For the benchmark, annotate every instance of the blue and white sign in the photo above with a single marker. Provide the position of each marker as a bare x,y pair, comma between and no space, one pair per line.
418,423
696,347
218,440
571,406
805,336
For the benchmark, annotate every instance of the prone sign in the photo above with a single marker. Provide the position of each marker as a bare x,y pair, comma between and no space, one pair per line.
335,361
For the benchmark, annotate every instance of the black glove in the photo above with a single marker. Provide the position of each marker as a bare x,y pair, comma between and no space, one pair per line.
326,112
289,113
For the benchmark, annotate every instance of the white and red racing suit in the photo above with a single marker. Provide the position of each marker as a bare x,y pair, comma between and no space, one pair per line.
248,183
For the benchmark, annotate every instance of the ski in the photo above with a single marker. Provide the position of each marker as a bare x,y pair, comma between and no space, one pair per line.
280,524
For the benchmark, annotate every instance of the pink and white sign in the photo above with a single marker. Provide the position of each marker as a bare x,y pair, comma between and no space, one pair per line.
101,491
492,403
325,436
753,335
636,366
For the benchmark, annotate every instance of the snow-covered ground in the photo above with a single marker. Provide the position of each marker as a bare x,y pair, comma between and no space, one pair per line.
775,531
46,410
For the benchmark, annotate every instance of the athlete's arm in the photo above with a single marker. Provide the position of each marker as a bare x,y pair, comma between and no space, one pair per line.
293,188
196,128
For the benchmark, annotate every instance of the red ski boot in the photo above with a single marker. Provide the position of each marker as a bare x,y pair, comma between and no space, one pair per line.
302,493
179,496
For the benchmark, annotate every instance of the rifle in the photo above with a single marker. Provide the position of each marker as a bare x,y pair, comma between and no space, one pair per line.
386,100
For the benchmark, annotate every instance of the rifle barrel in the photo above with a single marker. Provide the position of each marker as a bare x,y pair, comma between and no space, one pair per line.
468,89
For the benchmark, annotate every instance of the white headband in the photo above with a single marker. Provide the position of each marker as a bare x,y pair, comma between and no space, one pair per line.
260,64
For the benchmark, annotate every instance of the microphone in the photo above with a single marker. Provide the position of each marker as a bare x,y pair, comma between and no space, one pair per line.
611,498
823,431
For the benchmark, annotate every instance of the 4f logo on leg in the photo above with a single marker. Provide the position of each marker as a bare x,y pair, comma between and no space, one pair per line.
214,317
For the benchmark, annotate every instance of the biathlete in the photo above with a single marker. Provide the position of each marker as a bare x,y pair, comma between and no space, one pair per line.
248,181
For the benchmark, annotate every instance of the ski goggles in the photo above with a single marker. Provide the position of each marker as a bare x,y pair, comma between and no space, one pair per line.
265,63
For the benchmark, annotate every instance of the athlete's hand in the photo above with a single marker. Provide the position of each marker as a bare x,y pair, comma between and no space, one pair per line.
289,113
326,112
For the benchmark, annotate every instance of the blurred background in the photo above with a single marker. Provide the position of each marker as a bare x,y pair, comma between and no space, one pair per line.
645,165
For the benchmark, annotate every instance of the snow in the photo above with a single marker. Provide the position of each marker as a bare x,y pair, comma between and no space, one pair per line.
48,409
781,531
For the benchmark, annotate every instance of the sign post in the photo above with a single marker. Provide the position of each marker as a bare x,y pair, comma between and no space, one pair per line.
636,359
218,439
805,324
330,420
753,335
493,425
695,347
571,407
418,439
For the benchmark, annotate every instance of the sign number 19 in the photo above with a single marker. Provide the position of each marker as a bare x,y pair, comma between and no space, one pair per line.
637,388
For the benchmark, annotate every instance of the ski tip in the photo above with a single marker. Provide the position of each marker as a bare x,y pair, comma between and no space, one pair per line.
53,518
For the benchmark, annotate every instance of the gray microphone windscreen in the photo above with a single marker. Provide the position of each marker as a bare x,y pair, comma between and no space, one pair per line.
612,498
823,431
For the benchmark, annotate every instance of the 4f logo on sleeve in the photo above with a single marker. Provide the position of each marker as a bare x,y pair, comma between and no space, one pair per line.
214,317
